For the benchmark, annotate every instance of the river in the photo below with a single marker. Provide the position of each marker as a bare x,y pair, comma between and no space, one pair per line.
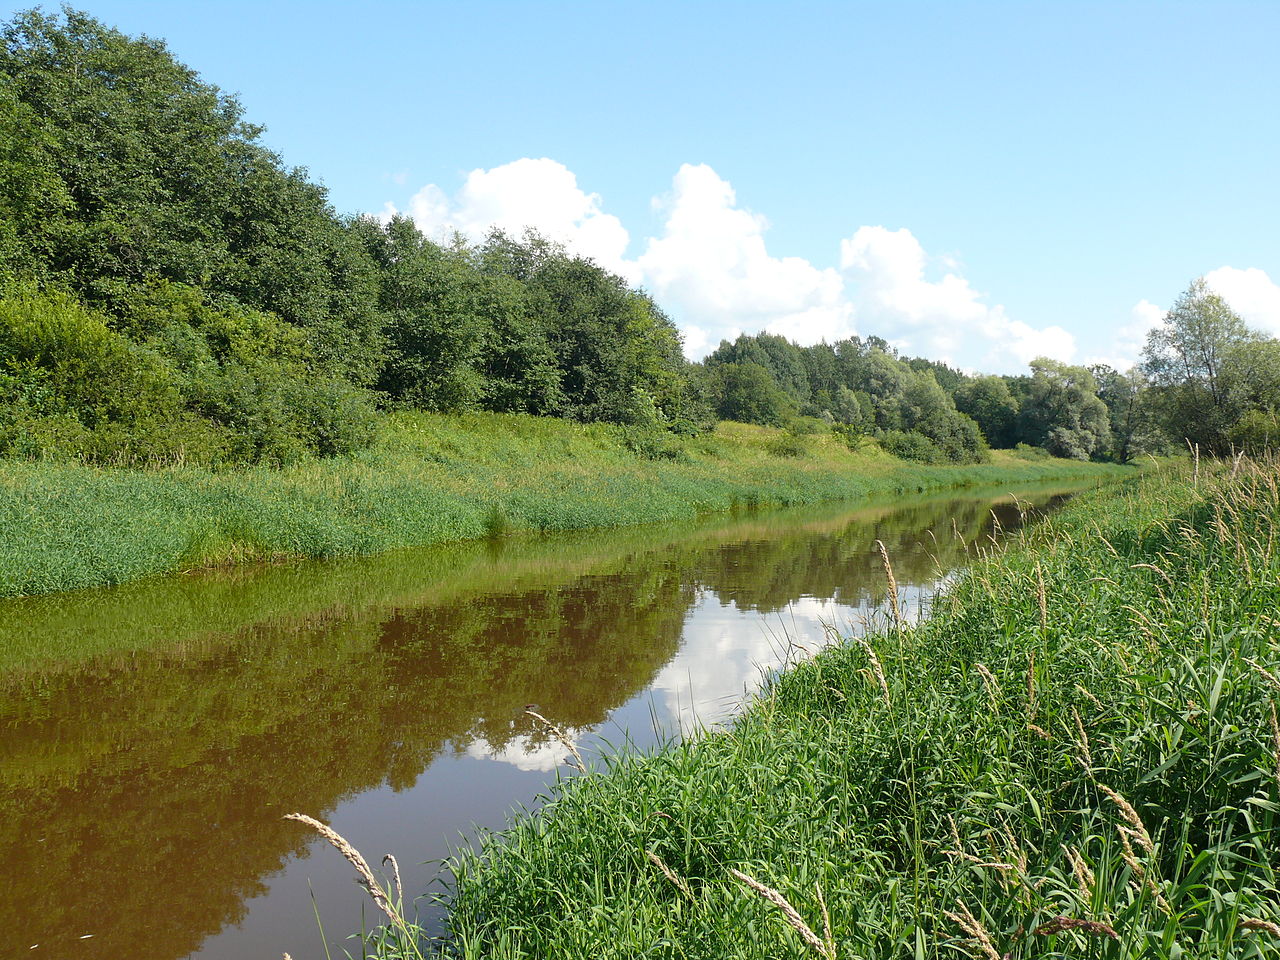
153,735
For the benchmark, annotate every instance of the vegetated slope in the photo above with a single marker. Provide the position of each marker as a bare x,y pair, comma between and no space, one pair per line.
432,479
1077,755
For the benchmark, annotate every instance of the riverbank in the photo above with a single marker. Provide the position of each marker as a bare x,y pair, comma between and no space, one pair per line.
434,479
1077,752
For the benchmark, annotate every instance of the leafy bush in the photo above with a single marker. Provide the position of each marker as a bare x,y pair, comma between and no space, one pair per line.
1024,451
788,445
808,426
654,444
215,386
912,446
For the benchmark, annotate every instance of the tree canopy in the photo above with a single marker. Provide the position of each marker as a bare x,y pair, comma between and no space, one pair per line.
171,289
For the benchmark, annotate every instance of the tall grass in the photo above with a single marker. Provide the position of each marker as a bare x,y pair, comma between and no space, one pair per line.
1076,755
429,479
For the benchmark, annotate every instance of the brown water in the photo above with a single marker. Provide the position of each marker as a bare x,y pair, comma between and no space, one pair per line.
152,736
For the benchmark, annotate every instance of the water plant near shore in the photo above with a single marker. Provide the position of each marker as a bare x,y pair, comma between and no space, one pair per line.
1077,756
431,478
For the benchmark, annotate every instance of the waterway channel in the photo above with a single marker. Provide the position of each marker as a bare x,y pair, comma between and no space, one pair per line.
153,735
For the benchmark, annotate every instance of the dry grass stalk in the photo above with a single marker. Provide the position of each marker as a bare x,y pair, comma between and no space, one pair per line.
1086,756
1140,872
559,735
974,929
876,668
354,857
1084,875
993,688
1153,567
1138,829
1091,927
827,938
1088,695
891,582
963,854
793,918
670,874
1266,926
1031,688
395,873
1275,740
1039,731
1267,675
1042,598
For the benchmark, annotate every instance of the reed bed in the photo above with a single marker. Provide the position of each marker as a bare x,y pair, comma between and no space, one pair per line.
1076,755
429,479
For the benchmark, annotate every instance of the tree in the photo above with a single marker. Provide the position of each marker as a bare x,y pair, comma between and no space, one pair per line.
747,393
989,402
1134,429
1061,411
1185,358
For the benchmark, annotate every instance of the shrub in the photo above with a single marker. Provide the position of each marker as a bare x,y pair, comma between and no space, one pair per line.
787,445
654,444
912,446
1024,451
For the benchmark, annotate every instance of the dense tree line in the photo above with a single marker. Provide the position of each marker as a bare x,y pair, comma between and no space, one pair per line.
170,289
168,286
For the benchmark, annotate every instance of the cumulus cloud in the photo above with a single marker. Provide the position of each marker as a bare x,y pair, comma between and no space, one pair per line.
1131,337
522,754
1251,293
711,269
945,318
537,193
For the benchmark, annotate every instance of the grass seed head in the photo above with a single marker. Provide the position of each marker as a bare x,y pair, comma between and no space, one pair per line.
670,874
1262,926
974,929
793,918
354,857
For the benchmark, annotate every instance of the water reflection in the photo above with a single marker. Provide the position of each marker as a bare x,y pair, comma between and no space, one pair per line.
141,787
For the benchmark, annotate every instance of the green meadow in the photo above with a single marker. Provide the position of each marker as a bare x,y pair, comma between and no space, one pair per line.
436,478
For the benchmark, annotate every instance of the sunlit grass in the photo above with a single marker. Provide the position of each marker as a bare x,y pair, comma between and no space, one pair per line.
429,479
1077,755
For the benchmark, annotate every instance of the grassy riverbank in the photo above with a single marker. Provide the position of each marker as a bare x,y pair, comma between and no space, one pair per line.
1077,755
432,479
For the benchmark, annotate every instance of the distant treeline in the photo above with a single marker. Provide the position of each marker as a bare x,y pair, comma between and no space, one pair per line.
169,289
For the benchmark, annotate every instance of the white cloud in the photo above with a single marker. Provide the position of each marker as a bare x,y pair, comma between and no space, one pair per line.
1131,337
945,319
711,269
541,194
522,754
1251,293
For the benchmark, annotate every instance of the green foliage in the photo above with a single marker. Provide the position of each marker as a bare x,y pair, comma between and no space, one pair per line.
788,444
990,403
1189,359
1024,451
746,392
430,478
911,446
194,383
1060,411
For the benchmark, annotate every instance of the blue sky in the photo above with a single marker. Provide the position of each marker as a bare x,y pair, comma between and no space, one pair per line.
980,182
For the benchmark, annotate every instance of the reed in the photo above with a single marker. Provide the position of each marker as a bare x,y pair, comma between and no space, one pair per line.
430,478
1130,812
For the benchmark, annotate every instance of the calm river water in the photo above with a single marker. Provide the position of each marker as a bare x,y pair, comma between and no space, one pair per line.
141,792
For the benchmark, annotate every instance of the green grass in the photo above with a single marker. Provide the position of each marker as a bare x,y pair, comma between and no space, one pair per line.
1125,652
429,479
